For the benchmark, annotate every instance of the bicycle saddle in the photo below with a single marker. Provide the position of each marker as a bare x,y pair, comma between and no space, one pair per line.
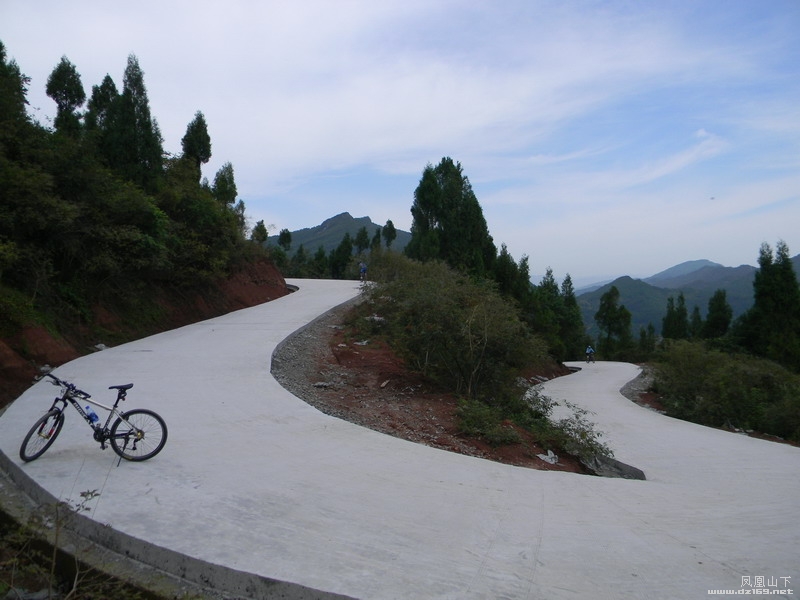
127,386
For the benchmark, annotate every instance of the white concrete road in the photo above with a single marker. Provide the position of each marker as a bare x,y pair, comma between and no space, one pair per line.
254,481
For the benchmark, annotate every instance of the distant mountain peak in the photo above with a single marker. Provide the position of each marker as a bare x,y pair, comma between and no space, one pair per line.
331,231
682,269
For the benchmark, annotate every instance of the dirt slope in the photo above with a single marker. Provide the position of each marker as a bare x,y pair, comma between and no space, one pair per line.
23,352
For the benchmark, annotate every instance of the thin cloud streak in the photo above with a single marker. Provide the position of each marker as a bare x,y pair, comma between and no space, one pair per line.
598,121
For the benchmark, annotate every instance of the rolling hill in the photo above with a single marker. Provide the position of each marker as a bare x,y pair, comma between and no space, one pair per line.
698,280
330,233
646,298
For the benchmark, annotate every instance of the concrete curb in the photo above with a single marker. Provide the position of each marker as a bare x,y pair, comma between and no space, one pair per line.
156,569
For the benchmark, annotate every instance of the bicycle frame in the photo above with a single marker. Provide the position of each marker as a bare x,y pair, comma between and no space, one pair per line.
102,433
135,435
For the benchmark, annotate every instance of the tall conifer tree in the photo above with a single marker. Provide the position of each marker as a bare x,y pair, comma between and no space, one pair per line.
448,222
773,323
224,187
65,88
196,143
136,140
718,318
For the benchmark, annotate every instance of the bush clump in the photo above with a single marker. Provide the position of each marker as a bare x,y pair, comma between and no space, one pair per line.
459,332
735,391
462,334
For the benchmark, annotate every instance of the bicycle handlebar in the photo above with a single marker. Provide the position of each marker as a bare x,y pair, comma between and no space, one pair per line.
70,387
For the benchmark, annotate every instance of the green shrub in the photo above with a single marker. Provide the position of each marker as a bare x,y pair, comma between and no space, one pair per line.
457,331
709,387
575,433
16,309
468,338
478,419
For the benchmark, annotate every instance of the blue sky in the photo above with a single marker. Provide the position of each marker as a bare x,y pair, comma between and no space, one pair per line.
601,138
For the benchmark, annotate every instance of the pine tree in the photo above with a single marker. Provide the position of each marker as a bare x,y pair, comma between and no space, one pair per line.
389,233
675,324
100,108
13,91
224,187
285,239
319,264
298,265
719,316
259,233
448,222
65,88
375,242
505,272
361,242
647,341
772,325
696,324
196,143
614,322
340,257
572,329
547,314
132,143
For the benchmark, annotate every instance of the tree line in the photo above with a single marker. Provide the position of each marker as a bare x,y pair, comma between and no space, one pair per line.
741,374
94,207
741,382
340,263
448,226
769,329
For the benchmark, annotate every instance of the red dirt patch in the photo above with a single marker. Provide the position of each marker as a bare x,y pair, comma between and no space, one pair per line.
367,384
32,346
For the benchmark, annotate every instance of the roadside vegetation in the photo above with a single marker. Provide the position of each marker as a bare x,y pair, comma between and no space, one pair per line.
741,374
705,385
33,565
468,338
94,211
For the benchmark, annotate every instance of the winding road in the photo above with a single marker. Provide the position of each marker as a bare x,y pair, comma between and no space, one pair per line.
259,495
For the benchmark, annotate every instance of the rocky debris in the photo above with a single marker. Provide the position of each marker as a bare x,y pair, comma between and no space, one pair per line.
606,466
641,385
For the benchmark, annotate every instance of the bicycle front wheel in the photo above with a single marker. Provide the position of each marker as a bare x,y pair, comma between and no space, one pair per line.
42,435
138,434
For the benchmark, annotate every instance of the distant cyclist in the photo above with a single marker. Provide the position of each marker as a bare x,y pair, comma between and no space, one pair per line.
589,354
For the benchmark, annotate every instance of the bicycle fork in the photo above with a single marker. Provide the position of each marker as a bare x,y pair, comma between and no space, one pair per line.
50,431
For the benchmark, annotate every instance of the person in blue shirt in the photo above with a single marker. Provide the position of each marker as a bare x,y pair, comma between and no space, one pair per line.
589,354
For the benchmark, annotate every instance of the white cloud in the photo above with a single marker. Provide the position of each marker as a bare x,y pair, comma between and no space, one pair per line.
612,120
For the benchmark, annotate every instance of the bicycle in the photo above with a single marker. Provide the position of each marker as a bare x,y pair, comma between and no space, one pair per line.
136,435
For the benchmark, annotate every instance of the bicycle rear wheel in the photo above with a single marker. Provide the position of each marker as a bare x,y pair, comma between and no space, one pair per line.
138,435
42,435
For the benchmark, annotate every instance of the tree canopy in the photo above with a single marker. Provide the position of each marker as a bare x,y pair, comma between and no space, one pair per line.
196,143
65,88
771,328
448,222
102,212
614,321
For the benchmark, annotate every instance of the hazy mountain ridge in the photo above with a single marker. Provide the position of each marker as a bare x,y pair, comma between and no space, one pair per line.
646,298
684,269
698,280
329,234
